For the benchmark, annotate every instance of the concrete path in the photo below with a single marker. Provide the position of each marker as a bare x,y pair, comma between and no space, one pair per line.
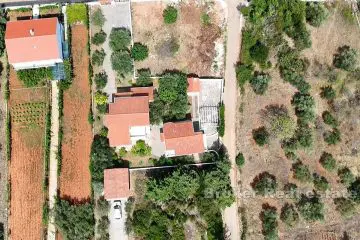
234,26
53,166
117,16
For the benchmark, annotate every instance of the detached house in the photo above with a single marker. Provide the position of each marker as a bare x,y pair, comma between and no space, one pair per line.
128,117
180,139
34,43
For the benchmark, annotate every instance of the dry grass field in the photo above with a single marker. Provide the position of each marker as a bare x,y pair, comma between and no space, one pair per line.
198,44
332,34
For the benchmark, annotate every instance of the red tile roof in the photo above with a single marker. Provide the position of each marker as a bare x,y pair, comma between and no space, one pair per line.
23,47
124,113
137,91
193,85
181,138
116,183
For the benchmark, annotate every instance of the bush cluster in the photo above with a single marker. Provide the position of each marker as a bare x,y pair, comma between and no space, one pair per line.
261,136
346,58
301,172
99,38
243,74
98,18
240,160
34,77
311,208
141,149
328,93
332,137
170,14
144,78
98,57
328,161
346,207
119,41
3,21
264,184
304,106
320,182
139,51
269,223
221,127
260,82
346,176
289,215
100,80
316,13
329,119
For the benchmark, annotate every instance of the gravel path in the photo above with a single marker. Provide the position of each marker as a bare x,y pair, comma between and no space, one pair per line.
53,156
234,26
3,160
117,16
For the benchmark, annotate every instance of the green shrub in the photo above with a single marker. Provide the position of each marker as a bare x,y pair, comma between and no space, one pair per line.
3,21
346,176
120,39
311,208
98,18
347,13
333,137
100,80
289,215
354,189
240,160
205,19
304,106
261,136
91,119
243,74
290,188
328,161
304,136
260,82
34,77
301,37
269,223
221,127
259,52
99,38
346,58
301,172
98,57
66,83
139,51
121,62
102,109
101,98
170,14
320,182
75,222
264,184
316,13
144,78
328,93
345,206
329,119
77,13
102,157
141,149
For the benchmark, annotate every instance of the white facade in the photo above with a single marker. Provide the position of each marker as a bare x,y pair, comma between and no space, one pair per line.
137,133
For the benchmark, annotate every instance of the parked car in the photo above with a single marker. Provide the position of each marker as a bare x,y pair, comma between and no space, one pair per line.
117,210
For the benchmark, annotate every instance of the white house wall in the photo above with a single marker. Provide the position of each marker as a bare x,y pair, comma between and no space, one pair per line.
36,64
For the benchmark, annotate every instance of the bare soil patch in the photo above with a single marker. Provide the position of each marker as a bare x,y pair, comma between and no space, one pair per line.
26,166
335,32
195,41
77,138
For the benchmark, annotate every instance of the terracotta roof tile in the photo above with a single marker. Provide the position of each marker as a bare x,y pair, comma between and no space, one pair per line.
193,85
129,105
116,183
181,138
22,47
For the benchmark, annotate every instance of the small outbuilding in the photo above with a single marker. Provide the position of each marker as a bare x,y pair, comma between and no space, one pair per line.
116,184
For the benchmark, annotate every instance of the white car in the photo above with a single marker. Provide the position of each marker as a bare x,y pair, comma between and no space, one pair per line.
117,210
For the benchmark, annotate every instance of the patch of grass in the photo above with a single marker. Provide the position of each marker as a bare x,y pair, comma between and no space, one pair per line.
34,77
48,9
205,19
221,127
77,13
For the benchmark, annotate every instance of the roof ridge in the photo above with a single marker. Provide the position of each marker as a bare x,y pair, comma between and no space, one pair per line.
183,136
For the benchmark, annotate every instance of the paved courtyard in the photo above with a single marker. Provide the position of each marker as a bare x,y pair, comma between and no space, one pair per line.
118,15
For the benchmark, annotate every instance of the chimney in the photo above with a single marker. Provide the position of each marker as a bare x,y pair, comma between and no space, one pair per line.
32,32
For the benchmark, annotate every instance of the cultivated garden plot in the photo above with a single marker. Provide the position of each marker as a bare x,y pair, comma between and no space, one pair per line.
77,133
193,43
28,109
310,156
